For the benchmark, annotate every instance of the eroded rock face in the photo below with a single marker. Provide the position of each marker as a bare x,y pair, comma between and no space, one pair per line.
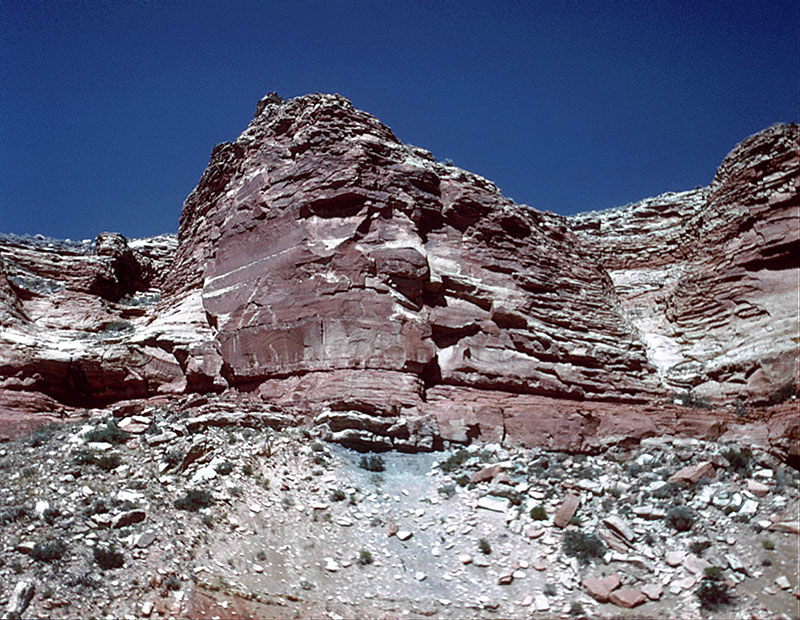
355,283
710,276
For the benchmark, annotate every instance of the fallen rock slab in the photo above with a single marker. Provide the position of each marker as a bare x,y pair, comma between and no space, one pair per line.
691,474
627,597
600,588
567,510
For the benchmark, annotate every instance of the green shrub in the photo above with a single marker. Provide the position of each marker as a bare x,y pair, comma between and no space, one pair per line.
484,546
15,513
372,462
337,495
462,480
174,457
739,459
43,434
768,544
49,551
576,609
455,460
224,468
680,518
108,558
365,557
247,469
111,433
538,513
582,546
550,589
194,499
104,461
172,583
713,592
698,547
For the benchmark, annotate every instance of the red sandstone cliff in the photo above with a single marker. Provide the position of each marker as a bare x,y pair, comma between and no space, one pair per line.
326,268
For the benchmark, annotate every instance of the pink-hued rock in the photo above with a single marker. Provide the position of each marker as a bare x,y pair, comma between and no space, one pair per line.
653,591
567,510
487,473
627,597
325,268
693,473
757,488
600,588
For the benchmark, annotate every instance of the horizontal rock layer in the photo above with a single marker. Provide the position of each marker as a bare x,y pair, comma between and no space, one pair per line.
325,268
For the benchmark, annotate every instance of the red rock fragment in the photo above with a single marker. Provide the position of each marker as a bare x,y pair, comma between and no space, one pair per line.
627,597
601,588
691,474
567,510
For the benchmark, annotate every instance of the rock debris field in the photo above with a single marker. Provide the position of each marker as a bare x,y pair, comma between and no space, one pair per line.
153,514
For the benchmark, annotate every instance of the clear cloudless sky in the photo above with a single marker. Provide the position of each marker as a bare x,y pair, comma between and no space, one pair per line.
109,109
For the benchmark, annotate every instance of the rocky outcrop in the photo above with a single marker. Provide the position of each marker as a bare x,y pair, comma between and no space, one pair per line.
327,271
710,276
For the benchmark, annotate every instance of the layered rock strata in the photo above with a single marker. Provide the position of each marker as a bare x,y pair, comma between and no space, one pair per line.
327,269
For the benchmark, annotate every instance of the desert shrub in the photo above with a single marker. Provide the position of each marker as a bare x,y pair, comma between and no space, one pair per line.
582,546
690,399
739,459
43,434
224,468
484,547
316,446
768,544
174,457
365,557
455,460
550,589
15,513
462,480
247,469
172,583
372,462
49,551
50,515
698,547
538,513
108,558
713,592
111,433
337,495
666,491
194,499
104,461
576,609
680,518
447,491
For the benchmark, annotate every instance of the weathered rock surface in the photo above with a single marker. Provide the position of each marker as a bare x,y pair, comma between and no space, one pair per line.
710,276
350,281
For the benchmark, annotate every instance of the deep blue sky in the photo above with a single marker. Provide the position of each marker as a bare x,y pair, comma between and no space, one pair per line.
109,109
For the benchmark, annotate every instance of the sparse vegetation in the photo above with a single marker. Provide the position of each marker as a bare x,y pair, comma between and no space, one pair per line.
583,546
538,513
484,546
455,460
111,433
49,551
713,592
680,518
372,462
365,557
768,544
698,547
337,495
739,459
107,461
108,558
224,468
194,499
